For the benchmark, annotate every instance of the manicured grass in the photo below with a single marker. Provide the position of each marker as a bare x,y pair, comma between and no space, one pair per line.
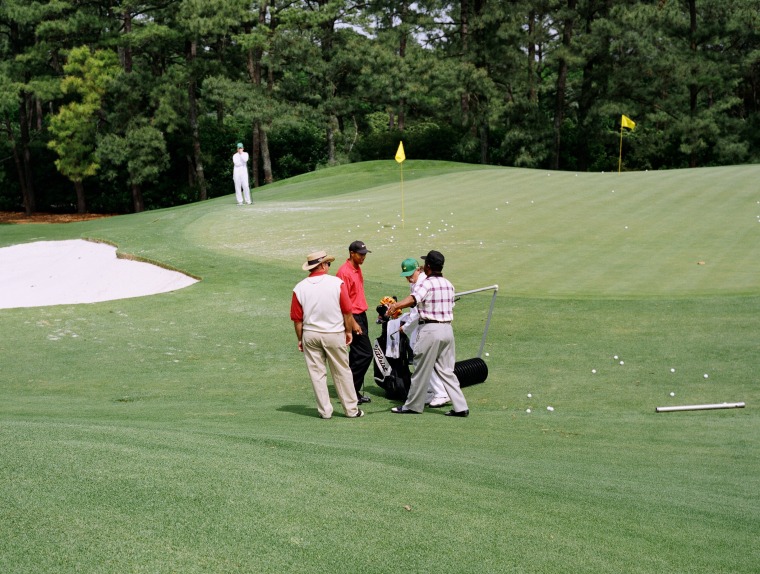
178,433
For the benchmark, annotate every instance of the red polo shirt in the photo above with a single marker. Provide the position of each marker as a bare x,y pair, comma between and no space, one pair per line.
354,281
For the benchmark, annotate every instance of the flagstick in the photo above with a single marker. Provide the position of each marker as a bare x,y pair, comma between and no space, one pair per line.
620,159
401,168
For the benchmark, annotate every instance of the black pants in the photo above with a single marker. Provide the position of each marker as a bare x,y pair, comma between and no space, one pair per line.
360,354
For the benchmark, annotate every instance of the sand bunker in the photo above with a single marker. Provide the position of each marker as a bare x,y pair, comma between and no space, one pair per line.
77,271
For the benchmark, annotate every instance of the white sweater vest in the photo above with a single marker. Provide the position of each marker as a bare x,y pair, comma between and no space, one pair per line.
320,298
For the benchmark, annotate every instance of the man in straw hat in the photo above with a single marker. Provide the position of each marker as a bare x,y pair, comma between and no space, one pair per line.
321,313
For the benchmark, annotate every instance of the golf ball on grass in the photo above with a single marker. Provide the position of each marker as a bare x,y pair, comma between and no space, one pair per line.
527,411
550,409
530,396
593,371
672,394
706,376
672,370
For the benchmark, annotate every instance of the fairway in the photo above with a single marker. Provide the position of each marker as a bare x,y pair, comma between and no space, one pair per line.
178,432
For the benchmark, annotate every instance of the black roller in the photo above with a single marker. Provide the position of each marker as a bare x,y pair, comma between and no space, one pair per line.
471,371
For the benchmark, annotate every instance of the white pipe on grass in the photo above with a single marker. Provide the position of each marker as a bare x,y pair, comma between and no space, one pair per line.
700,407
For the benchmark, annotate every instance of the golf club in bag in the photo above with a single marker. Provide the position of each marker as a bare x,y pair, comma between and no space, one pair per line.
392,374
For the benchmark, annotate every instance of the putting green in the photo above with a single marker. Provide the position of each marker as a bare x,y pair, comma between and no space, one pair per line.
535,233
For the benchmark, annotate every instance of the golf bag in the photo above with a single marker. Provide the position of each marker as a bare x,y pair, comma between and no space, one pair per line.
393,374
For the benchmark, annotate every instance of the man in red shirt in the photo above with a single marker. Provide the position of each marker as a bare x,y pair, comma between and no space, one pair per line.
321,313
360,355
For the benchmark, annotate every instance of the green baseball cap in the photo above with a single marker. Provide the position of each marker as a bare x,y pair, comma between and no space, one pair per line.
408,267
239,145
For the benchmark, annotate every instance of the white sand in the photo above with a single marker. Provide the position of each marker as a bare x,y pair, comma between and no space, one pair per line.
77,271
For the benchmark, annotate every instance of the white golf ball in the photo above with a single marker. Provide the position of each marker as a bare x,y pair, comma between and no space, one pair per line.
672,394
487,355
593,371
672,370
527,410
706,375
530,396
615,357
622,362
549,409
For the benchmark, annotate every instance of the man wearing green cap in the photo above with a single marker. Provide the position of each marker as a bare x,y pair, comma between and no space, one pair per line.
436,392
240,175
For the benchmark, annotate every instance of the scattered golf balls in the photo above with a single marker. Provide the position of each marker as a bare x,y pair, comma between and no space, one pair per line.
593,371
622,362
672,394
530,396
615,357
549,409
487,355
527,410
672,370
706,375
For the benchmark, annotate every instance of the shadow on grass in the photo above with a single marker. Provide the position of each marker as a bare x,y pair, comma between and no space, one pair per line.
302,410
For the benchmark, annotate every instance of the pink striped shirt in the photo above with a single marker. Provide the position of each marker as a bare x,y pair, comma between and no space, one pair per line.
435,299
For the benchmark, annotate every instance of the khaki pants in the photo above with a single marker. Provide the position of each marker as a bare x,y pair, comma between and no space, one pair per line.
434,354
323,350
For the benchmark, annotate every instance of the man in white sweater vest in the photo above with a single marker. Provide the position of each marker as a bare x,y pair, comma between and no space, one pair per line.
320,309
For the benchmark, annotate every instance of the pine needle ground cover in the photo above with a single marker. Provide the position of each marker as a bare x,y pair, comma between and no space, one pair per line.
178,432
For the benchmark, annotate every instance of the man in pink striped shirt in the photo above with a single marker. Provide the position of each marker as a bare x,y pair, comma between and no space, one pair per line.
320,309
434,351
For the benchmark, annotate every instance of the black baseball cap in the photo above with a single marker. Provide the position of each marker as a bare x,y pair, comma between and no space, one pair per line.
358,247
435,259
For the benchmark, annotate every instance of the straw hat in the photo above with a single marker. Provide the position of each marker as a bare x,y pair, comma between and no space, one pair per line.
316,258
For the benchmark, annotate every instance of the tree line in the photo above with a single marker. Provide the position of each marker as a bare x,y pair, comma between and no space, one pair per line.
126,105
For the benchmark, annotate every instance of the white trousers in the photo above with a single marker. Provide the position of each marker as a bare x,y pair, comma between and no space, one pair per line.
240,178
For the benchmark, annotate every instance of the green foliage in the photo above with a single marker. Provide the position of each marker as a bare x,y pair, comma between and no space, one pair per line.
74,128
509,83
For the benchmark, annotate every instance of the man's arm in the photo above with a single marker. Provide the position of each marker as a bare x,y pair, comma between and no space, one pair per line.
299,333
345,307
348,322
408,301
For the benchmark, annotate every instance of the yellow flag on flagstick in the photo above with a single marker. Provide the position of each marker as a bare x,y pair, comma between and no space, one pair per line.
627,122
400,152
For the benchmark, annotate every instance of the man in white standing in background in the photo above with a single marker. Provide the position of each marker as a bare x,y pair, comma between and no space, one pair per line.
240,175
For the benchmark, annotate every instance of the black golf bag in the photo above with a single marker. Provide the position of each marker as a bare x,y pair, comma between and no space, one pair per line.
392,374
